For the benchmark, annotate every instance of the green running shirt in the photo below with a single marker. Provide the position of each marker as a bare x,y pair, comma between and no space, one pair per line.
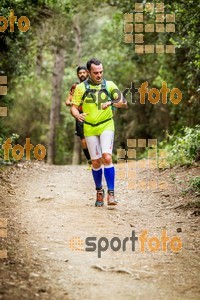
92,106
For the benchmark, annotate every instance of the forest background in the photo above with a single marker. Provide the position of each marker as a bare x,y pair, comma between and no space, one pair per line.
40,65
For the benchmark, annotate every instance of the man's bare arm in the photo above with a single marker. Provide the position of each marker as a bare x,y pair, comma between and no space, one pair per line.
69,100
119,103
76,114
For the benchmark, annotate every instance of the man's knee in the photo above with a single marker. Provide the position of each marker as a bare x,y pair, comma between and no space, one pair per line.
107,158
96,163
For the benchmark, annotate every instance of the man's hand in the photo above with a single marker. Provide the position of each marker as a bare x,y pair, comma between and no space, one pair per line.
121,103
81,117
106,104
68,102
76,114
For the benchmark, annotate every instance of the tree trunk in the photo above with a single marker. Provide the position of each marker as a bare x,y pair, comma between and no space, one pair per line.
76,159
58,72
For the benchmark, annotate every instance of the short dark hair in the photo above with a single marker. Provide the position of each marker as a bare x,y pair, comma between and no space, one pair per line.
93,61
81,68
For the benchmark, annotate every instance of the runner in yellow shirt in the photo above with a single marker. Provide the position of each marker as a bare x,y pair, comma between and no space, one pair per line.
97,96
82,75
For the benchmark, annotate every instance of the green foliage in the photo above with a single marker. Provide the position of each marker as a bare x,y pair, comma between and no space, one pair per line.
184,147
195,184
30,112
65,135
193,188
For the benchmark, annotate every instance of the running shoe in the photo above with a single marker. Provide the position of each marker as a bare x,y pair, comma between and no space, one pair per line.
100,196
111,198
89,167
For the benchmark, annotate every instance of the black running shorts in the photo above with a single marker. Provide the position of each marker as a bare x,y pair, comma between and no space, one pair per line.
79,129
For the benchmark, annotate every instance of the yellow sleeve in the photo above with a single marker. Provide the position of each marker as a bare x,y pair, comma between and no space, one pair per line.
78,94
113,89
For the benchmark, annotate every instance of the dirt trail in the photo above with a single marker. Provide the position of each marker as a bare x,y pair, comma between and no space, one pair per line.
53,204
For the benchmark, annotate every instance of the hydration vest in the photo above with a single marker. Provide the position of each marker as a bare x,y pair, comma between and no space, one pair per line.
92,92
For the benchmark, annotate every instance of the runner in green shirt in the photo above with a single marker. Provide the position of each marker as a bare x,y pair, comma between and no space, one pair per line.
97,97
82,75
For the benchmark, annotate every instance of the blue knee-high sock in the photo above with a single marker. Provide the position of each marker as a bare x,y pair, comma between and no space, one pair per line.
97,176
109,173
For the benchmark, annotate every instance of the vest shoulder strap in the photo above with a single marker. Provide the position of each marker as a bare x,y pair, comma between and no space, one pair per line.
88,90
